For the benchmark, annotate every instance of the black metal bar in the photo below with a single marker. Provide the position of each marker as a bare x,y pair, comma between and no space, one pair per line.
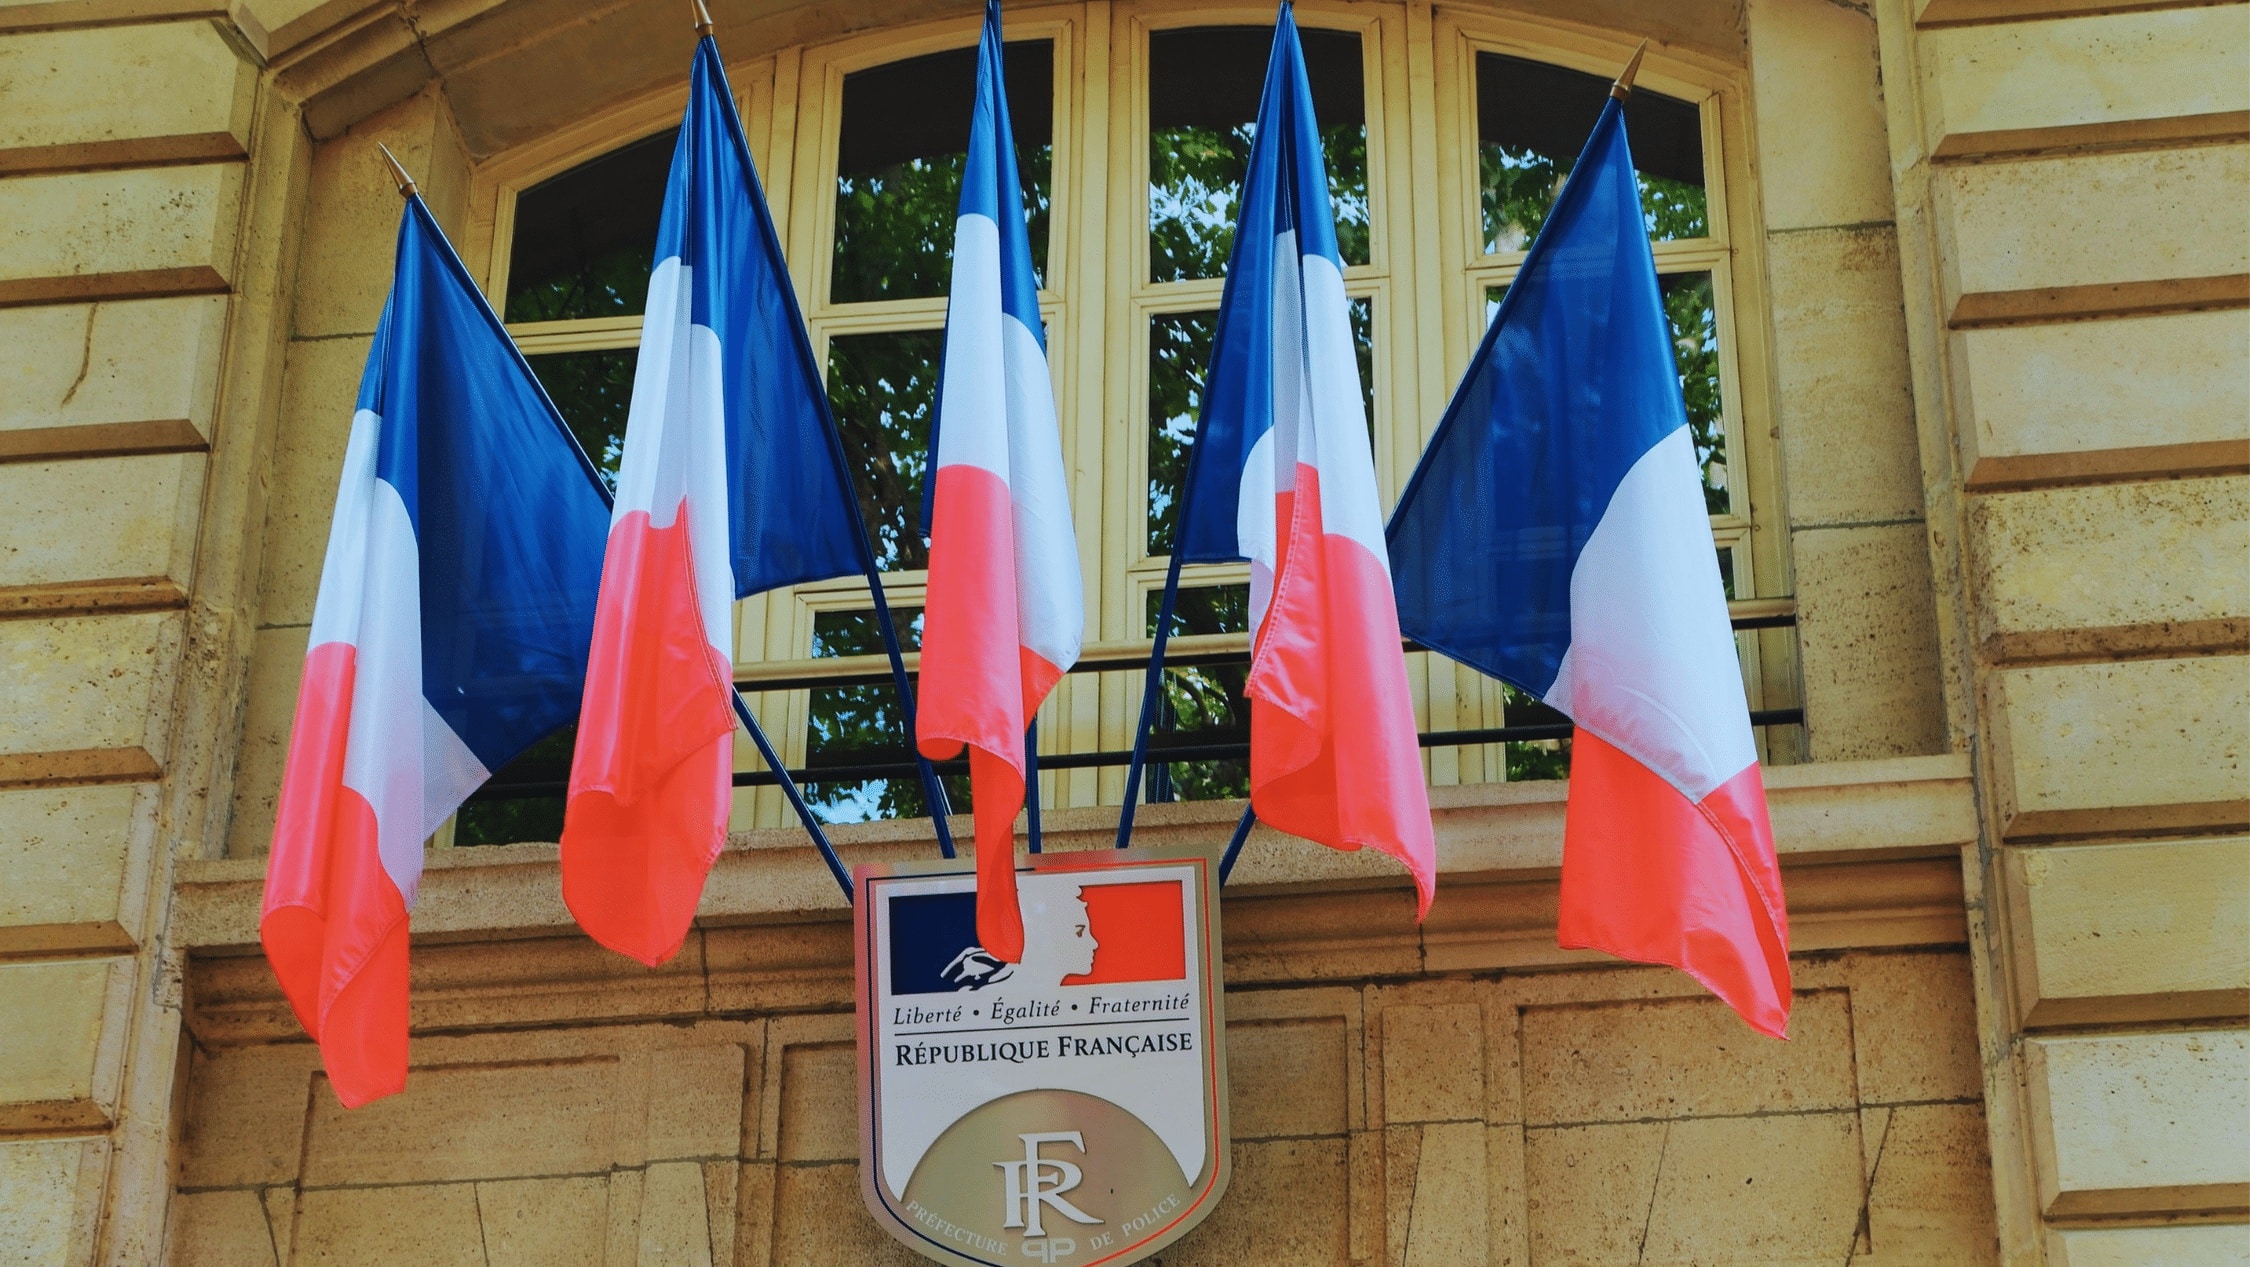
1163,749
1127,663
796,801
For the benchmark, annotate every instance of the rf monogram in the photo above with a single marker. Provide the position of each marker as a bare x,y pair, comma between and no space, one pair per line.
1038,1181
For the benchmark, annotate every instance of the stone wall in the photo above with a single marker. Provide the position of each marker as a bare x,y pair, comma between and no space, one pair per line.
2076,253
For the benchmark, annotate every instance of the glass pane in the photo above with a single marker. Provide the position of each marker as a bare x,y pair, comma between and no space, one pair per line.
1204,84
849,725
1532,119
584,240
882,387
1695,343
1694,320
1179,355
594,391
905,136
506,822
1533,758
1205,701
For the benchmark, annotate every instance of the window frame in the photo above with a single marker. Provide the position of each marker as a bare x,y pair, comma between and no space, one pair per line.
1426,275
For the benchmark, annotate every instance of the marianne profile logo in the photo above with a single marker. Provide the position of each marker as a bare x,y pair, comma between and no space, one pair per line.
1067,1108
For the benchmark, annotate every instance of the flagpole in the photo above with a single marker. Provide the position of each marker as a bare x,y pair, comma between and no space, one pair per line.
933,791
1031,783
796,798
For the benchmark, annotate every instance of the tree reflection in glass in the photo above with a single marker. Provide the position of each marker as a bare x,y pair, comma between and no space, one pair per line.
1205,701
1532,119
1179,356
583,239
882,388
848,725
902,145
1204,85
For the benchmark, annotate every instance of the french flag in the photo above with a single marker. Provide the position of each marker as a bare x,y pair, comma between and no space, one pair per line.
1283,475
450,633
732,483
1005,611
1555,537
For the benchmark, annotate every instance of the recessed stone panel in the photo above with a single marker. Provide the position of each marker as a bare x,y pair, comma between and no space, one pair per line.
2059,403
471,1122
1288,1077
54,1072
2140,1123
1622,1062
107,364
2132,932
2084,220
190,98
64,859
2113,569
118,234
100,518
2140,747
2012,76
88,682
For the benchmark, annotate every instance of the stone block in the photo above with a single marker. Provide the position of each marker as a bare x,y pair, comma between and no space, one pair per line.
2140,1123
245,1115
220,1229
1848,443
1823,144
1288,1077
88,682
2205,1245
319,386
56,1072
277,663
1914,1028
2085,220
1756,1189
819,1219
2095,399
2081,72
2065,572
2138,747
472,1122
49,1194
1448,1217
819,1102
103,376
1637,1061
674,1227
69,867
695,1101
2132,932
145,231
1578,1182
1506,1235
429,1225
1433,1063
190,102
1929,1197
1287,1202
351,220
1867,641
101,518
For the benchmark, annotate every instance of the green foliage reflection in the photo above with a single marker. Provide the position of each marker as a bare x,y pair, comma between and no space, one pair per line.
882,387
1194,184
855,724
1205,701
1520,187
894,227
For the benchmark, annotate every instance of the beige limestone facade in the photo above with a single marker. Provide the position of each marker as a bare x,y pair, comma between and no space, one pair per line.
1983,277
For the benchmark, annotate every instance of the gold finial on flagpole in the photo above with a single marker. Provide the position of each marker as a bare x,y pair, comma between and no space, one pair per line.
702,19
399,177
1623,88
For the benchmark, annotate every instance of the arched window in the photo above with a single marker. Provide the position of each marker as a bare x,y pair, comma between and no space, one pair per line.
1446,141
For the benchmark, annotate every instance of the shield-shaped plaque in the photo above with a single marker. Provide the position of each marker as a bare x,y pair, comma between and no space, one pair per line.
1068,1108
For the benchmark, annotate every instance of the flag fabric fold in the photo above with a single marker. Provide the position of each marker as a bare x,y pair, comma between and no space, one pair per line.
1283,475
730,485
1555,537
450,632
1005,609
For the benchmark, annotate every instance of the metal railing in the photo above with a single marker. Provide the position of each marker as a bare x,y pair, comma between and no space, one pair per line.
1523,723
